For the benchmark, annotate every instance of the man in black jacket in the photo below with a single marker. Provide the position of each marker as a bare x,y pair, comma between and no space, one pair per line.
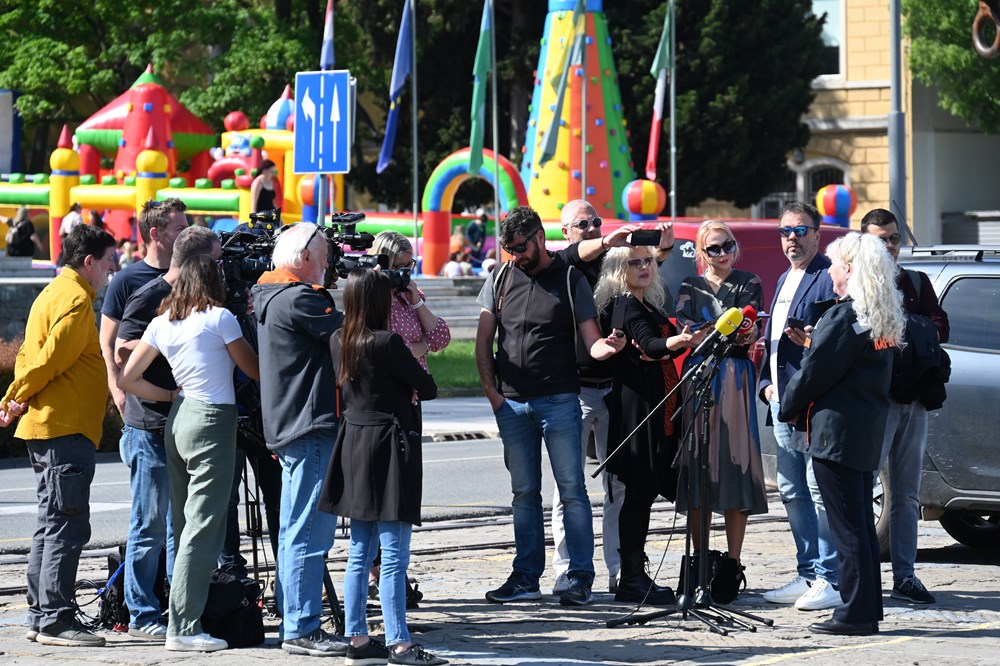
539,305
906,429
297,381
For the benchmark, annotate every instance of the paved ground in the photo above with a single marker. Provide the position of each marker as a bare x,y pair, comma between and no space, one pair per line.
455,562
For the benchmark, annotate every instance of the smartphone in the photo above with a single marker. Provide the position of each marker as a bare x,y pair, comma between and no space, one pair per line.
644,237
694,327
795,322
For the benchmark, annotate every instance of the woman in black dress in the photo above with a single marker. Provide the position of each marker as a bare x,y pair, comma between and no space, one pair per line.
632,298
375,474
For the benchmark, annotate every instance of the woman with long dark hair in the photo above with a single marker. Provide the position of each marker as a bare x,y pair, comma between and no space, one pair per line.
643,373
375,475
203,343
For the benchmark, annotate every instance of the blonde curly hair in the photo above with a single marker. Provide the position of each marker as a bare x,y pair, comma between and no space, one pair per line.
614,278
877,302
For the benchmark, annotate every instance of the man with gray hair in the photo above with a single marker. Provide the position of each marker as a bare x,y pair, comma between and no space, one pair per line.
143,446
296,317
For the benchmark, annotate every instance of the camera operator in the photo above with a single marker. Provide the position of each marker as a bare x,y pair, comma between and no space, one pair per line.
411,317
296,317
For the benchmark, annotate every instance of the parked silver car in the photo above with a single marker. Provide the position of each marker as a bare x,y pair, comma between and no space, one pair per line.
960,486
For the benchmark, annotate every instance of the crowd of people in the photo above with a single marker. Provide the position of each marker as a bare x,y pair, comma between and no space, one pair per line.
572,346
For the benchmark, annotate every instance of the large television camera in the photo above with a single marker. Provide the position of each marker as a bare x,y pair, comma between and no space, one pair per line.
342,232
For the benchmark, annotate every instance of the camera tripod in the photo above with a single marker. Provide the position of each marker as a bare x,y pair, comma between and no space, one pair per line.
700,605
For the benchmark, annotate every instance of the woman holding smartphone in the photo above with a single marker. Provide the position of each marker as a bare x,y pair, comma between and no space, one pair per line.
736,472
375,474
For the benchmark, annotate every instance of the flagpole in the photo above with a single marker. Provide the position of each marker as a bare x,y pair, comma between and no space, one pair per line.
583,112
412,8
673,112
326,64
496,138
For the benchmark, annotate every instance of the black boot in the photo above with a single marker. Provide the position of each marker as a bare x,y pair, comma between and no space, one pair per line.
636,586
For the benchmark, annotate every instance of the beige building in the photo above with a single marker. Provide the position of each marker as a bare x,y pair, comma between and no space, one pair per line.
951,168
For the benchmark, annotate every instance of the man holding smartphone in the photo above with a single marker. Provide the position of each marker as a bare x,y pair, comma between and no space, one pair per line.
581,226
793,314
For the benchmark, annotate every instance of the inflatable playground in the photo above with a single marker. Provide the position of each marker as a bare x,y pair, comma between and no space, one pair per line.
146,145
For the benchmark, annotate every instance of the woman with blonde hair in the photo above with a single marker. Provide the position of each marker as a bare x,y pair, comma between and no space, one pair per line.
736,472
630,290
840,397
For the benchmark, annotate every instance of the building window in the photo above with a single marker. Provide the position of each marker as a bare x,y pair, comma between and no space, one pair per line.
833,31
770,206
822,176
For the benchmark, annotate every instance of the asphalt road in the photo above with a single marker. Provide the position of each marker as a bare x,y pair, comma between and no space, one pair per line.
461,479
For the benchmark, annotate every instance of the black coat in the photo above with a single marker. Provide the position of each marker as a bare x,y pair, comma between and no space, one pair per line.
376,470
645,462
842,389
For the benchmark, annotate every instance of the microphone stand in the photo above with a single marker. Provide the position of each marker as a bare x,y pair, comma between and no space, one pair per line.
701,607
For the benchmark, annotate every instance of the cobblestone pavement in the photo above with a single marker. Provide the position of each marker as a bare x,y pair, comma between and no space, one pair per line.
456,562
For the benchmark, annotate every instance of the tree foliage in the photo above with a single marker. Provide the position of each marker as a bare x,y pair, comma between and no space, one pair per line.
743,75
941,54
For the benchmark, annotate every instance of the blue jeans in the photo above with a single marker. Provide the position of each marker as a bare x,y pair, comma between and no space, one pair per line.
814,550
596,419
903,450
394,537
556,419
151,527
306,534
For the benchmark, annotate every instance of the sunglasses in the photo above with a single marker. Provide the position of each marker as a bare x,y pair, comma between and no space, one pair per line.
520,247
640,263
728,247
800,231
894,239
584,224
407,266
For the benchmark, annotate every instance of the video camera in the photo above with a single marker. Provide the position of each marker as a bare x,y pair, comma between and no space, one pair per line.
246,255
342,232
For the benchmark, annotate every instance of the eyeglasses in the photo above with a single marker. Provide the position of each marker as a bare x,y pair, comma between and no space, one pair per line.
407,266
718,250
584,224
640,263
894,239
520,247
799,231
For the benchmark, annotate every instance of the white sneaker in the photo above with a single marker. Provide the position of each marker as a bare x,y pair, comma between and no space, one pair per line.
788,594
196,643
562,584
820,596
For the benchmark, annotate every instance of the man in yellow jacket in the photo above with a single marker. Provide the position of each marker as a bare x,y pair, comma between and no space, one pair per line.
60,392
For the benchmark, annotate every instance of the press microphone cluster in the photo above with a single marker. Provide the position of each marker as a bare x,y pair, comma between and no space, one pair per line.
731,321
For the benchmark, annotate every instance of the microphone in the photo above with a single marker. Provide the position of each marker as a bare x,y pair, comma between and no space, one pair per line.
724,327
749,319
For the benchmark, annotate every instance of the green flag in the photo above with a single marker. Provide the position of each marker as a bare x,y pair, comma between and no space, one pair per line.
570,56
480,71
661,60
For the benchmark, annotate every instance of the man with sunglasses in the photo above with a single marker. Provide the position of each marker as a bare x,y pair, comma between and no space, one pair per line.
906,428
540,305
581,227
793,314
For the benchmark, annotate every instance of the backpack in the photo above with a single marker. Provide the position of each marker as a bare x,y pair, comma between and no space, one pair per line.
920,368
18,234
114,611
232,611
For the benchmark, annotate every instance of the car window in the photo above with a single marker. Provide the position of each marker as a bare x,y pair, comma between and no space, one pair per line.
972,304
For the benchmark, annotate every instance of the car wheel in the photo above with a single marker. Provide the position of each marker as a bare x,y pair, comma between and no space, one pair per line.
880,497
972,529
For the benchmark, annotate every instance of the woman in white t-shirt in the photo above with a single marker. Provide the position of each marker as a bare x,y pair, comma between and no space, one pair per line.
203,343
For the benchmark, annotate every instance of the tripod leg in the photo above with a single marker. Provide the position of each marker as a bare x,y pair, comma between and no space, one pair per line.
336,612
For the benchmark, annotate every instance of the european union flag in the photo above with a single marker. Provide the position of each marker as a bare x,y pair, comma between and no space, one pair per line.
401,68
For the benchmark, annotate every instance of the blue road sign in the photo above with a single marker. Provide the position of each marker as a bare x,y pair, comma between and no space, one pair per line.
322,122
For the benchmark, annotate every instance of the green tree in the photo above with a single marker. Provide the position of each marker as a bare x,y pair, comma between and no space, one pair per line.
743,83
941,55
68,59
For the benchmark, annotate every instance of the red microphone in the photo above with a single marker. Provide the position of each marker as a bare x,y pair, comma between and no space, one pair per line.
749,319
